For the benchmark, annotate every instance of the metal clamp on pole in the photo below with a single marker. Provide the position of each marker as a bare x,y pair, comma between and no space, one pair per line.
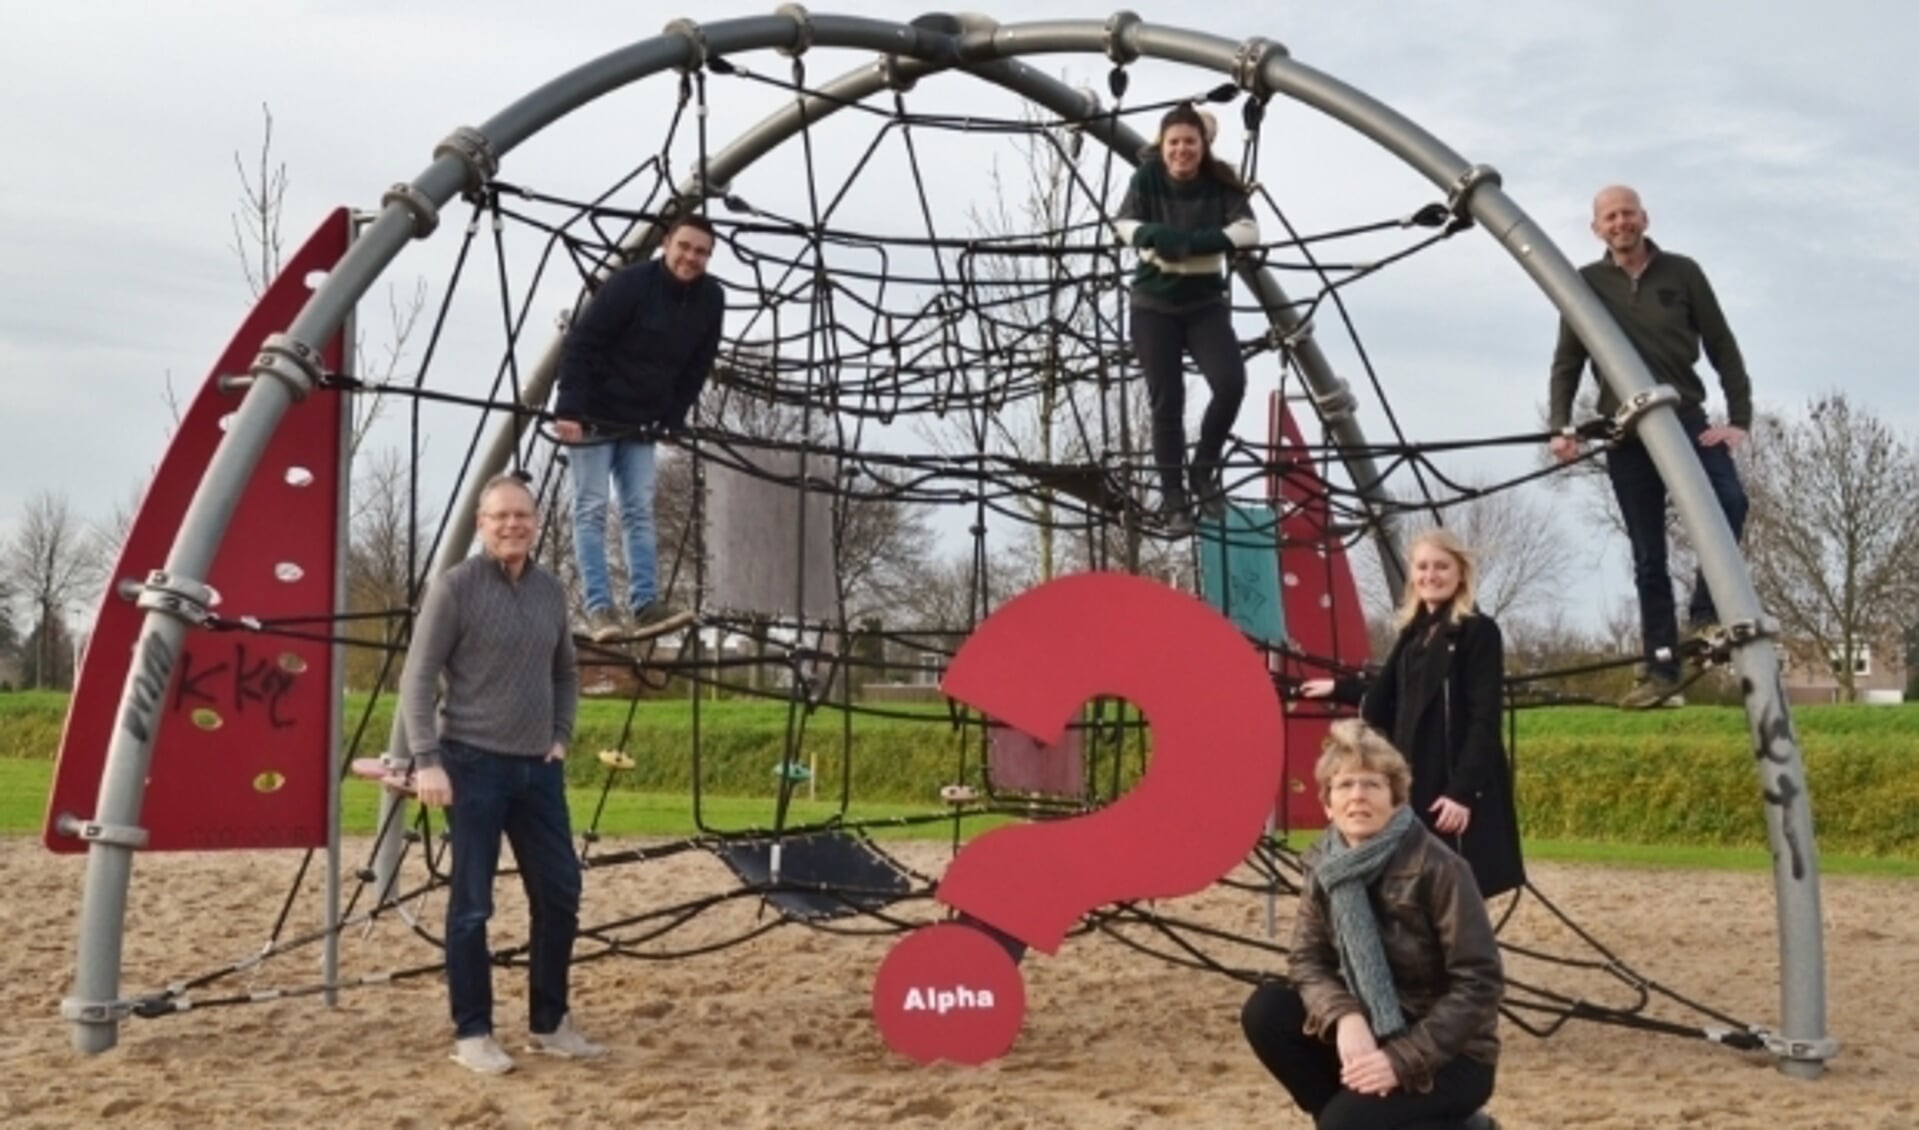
1718,644
96,832
426,214
1804,1051
474,151
802,29
1122,37
1459,196
96,1012
1626,419
1336,403
695,38
290,361
183,598
1249,65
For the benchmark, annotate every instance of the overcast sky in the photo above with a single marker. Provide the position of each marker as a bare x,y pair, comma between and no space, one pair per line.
1767,139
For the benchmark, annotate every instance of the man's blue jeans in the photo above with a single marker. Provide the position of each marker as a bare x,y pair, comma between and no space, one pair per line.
523,798
629,466
1641,494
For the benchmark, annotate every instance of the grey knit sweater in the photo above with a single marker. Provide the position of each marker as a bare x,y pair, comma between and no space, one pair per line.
504,652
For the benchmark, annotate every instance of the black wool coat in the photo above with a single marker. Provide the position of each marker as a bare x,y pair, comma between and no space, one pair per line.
1438,698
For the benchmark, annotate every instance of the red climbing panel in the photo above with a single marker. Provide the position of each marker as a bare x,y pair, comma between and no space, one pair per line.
1323,614
241,749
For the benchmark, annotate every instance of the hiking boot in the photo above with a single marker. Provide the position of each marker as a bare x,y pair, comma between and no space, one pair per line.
1651,691
602,625
1208,493
482,1055
1175,515
652,612
565,1042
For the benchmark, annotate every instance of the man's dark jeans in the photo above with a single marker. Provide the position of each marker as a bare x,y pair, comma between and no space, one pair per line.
523,798
1642,505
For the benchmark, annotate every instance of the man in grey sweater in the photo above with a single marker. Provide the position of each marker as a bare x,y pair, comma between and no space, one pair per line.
493,630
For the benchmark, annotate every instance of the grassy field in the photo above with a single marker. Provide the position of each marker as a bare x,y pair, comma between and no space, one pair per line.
24,785
1680,779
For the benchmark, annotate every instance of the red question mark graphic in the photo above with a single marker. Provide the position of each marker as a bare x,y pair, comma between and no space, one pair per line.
951,991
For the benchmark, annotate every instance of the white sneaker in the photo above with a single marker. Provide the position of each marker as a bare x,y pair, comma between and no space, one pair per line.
565,1042
483,1055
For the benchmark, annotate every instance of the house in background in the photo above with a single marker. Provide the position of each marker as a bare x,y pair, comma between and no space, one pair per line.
1878,674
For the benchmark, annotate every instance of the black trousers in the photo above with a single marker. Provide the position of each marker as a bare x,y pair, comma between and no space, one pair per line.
1275,1023
1207,334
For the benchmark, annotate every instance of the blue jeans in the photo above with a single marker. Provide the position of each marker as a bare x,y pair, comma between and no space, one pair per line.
524,798
1641,494
628,464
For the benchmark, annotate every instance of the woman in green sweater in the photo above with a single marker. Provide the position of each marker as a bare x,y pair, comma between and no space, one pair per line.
1185,211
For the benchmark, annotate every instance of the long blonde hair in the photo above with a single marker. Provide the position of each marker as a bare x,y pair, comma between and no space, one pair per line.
1443,540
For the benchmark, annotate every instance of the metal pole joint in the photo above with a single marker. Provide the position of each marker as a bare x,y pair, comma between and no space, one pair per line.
290,361
1336,403
183,598
802,29
100,832
426,214
1122,37
473,150
1459,196
1626,420
695,38
1249,65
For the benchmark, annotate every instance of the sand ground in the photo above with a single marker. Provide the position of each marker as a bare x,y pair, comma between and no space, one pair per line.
776,1031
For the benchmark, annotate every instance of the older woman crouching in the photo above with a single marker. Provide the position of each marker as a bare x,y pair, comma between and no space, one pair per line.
1392,1016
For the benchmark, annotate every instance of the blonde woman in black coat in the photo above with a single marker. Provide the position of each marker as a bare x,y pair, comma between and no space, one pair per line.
1438,699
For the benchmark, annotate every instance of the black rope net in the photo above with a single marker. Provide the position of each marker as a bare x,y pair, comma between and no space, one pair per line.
970,380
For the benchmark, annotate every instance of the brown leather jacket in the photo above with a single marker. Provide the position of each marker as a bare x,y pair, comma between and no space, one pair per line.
1439,943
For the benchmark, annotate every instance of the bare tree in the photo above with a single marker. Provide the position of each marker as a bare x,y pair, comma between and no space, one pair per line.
385,551
54,564
260,247
1523,556
1050,340
9,634
257,241
1833,532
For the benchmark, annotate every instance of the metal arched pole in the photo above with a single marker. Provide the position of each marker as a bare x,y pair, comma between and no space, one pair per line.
288,369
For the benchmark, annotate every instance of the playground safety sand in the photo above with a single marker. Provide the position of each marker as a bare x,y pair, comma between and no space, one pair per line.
775,1032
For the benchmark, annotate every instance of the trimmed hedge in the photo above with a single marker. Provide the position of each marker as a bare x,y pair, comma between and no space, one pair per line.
1668,777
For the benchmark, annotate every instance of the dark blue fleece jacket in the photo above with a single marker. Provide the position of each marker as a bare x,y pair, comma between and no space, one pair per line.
641,350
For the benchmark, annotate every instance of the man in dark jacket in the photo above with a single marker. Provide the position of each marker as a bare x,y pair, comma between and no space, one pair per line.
631,368
1668,311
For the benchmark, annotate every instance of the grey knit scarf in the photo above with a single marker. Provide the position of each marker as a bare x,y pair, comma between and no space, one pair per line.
1345,872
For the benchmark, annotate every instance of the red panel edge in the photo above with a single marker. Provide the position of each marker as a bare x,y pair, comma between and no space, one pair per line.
1323,612
242,749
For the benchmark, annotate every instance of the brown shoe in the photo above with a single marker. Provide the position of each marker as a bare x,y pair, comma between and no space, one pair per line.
1651,691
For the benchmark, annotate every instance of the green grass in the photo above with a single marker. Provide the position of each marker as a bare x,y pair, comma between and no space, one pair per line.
1586,775
1693,857
24,785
